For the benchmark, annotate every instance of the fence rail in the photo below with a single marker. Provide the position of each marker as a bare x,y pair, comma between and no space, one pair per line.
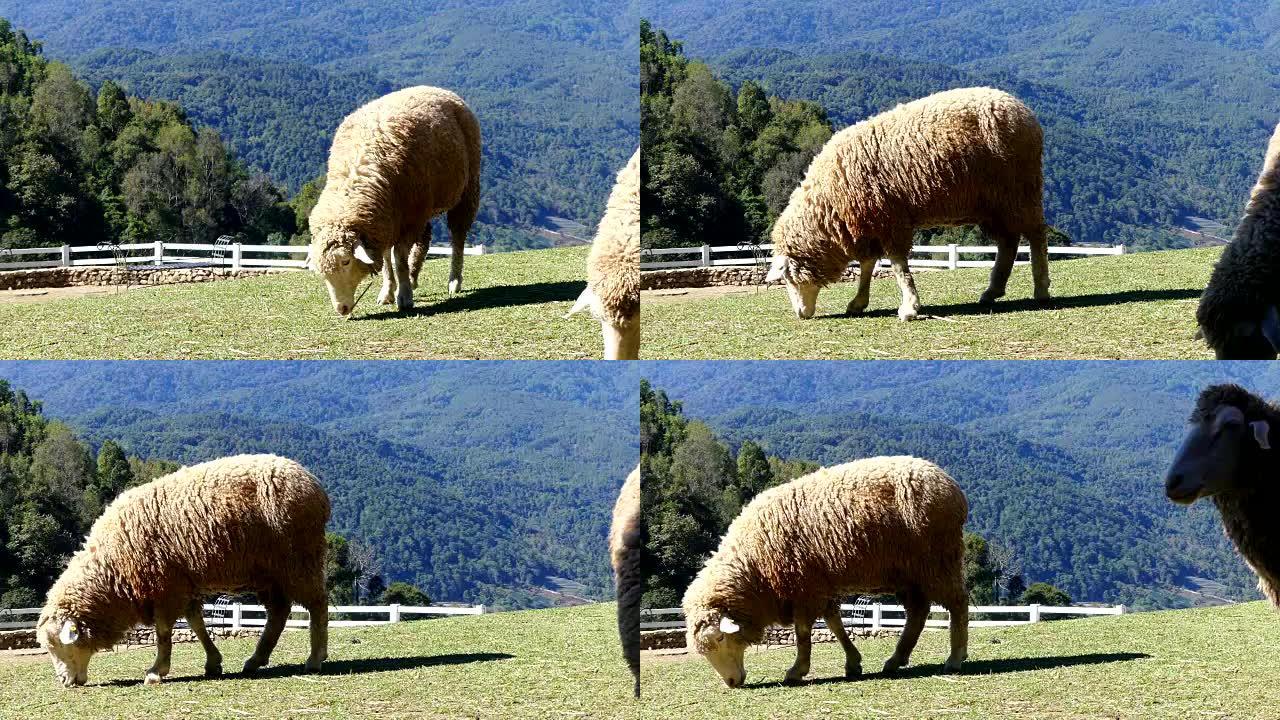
237,616
232,256
874,615
706,255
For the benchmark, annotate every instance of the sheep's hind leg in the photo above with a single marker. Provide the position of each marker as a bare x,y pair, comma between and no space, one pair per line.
866,270
277,614
804,649
956,601
164,651
460,219
1006,253
910,307
418,254
917,607
852,658
387,296
404,281
1039,242
212,658
318,625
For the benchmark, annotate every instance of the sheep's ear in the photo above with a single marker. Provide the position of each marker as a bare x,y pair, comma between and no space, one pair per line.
584,301
1271,327
362,254
69,633
1260,431
776,269
728,626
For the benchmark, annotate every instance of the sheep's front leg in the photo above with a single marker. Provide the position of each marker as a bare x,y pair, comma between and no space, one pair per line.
917,608
852,658
866,271
387,296
164,651
804,648
910,307
403,278
212,658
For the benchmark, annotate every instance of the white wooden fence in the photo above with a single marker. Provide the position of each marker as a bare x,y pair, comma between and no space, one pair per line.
237,616
874,615
707,255
232,256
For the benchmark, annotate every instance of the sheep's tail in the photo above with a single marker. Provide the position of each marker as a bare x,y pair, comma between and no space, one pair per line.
585,301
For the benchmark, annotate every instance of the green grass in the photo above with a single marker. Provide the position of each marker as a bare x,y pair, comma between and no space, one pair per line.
1214,663
1139,306
536,664
512,308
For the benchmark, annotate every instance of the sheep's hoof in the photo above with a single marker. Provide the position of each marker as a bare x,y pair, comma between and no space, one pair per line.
989,298
213,671
252,664
455,287
152,679
791,679
853,672
387,299
908,315
1043,297
891,665
313,666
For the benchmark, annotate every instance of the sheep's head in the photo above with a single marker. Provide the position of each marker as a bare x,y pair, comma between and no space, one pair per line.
1228,431
720,639
803,294
343,257
1256,338
68,647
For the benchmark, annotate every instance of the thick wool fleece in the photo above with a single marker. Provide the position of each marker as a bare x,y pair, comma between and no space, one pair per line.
879,525
625,543
1246,280
613,267
395,164
1248,514
242,523
958,157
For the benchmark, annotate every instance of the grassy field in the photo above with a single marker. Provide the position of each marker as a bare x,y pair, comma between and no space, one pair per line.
1213,663
537,664
512,308
1139,306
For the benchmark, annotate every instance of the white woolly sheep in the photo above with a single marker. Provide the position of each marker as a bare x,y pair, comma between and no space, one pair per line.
1238,313
395,164
625,542
888,524
244,523
968,156
1227,456
613,268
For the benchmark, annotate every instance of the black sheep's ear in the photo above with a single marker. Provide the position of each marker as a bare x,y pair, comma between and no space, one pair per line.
1271,327
1261,429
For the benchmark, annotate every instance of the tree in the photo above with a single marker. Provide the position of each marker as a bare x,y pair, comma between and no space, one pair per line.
754,474
402,593
113,476
980,574
1041,593
340,574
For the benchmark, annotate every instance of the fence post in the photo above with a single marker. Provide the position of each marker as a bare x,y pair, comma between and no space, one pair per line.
877,616
1120,610
237,616
953,256
480,250
481,609
1035,612
1119,249
66,256
159,252
237,253
395,613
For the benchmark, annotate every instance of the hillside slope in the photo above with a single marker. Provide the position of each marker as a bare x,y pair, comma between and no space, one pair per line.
1150,666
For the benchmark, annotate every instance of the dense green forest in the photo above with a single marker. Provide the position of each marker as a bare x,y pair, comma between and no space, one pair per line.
466,498
1140,136
553,83
694,485
85,166
1063,463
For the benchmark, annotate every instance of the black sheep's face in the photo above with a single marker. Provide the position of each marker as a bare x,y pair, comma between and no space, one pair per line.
1254,339
1209,458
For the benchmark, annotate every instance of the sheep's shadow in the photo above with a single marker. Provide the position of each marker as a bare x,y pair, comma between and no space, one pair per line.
982,667
483,299
337,667
1028,304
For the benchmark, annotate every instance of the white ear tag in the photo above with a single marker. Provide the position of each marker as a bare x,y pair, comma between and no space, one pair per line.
728,627
1260,431
69,634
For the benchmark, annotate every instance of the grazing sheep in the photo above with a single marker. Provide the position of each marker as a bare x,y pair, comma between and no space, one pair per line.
243,523
955,158
395,164
1227,456
625,542
613,268
889,524
1238,314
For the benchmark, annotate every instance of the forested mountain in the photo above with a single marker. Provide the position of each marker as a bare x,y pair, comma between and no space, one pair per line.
1159,111
553,82
465,497
1063,462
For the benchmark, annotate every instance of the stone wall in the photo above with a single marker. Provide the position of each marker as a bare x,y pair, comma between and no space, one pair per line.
139,637
700,277
18,639
108,276
773,637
